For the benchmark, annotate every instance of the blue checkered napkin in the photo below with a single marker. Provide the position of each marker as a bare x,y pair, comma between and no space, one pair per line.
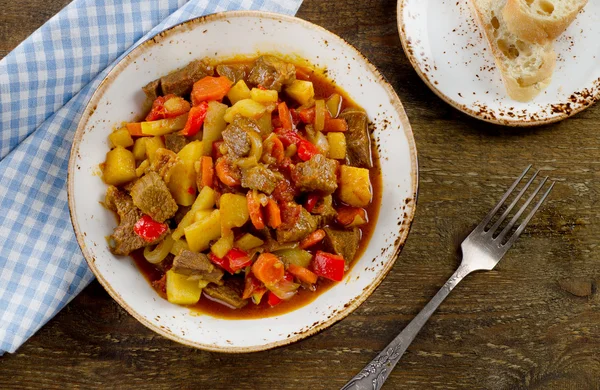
44,85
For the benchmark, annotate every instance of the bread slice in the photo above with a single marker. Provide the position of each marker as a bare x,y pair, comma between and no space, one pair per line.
526,67
540,20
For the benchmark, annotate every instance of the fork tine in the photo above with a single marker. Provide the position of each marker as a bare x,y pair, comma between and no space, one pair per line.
513,204
528,218
516,217
491,214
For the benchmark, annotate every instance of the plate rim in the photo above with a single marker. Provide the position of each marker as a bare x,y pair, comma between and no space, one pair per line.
321,325
463,108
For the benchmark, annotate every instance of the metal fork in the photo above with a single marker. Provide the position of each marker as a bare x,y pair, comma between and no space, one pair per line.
481,250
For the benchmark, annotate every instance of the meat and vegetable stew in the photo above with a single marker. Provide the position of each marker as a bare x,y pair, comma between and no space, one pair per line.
248,185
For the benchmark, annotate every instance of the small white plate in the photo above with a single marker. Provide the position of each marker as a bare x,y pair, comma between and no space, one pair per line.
445,46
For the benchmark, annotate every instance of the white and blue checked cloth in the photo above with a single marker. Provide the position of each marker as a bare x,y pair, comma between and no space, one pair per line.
44,85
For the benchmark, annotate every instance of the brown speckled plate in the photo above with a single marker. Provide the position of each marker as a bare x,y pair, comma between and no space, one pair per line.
219,37
448,51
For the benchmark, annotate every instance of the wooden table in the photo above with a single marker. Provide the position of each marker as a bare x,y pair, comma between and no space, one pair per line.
534,322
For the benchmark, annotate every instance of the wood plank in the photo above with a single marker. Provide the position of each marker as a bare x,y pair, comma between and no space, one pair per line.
519,326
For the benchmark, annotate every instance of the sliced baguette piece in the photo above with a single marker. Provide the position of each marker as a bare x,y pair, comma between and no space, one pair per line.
540,20
526,67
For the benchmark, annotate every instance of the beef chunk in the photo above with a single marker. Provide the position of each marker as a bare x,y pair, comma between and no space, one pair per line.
152,90
342,242
215,276
181,81
192,263
235,136
324,212
230,294
151,195
260,178
358,142
175,142
123,241
305,225
316,174
272,73
164,161
234,72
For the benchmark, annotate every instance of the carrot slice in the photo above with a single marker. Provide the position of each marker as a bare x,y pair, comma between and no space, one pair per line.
273,214
348,215
307,115
284,116
135,129
206,164
304,274
226,174
268,269
335,125
210,88
256,215
312,239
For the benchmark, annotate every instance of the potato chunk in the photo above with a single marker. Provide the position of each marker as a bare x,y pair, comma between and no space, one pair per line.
152,144
120,137
183,176
223,245
234,211
301,91
214,124
139,149
355,186
199,234
119,167
337,145
247,242
247,107
180,290
239,91
264,96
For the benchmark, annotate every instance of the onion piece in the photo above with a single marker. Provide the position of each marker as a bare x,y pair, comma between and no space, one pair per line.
161,251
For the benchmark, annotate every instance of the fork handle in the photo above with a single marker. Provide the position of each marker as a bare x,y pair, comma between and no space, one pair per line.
376,372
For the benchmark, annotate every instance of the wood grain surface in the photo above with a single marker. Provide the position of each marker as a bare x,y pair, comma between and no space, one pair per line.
533,323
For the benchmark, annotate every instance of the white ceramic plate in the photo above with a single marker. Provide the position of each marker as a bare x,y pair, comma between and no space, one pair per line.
219,36
444,45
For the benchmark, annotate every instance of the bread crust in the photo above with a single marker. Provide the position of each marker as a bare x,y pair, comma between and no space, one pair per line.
530,26
524,94
522,88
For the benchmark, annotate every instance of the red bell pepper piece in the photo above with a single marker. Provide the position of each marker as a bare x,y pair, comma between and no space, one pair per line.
306,150
273,299
149,229
311,202
329,266
288,137
253,288
238,259
195,119
295,117
221,262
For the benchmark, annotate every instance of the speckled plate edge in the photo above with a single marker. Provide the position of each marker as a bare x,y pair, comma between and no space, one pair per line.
337,316
573,107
